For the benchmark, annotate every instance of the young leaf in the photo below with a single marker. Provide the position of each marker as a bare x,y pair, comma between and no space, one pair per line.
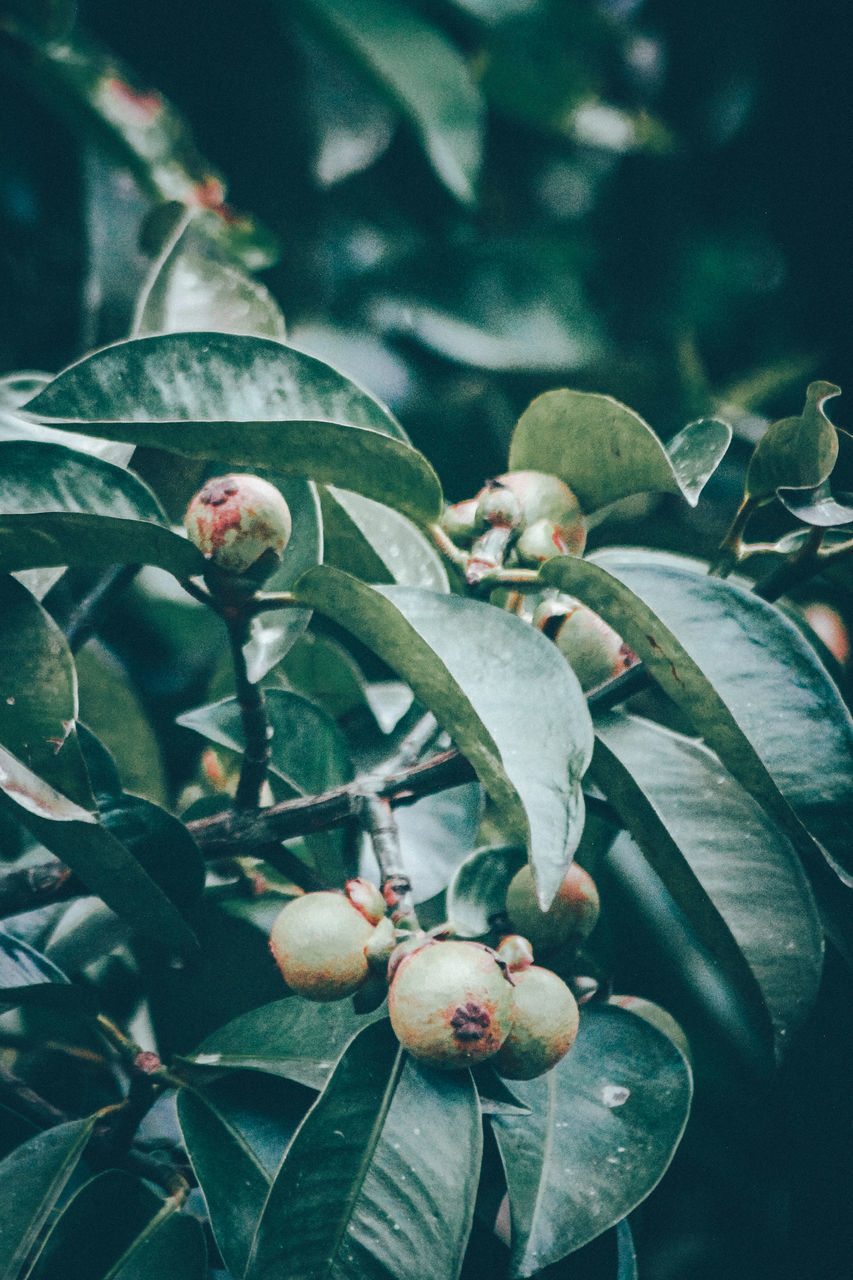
795,452
501,690
422,72
603,1127
32,1179
77,837
680,804
246,401
604,451
38,693
744,675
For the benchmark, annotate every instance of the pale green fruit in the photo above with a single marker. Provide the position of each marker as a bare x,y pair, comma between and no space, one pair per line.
571,916
319,943
235,519
460,520
543,1023
592,648
449,1003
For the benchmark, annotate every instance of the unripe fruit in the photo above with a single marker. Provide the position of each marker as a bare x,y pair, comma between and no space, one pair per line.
498,505
318,942
572,915
366,898
459,520
234,520
449,1003
547,498
543,1023
594,651
544,539
516,952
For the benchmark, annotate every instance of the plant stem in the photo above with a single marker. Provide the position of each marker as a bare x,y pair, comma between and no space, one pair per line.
257,730
378,818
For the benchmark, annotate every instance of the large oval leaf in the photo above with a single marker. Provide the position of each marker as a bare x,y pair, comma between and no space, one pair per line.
604,451
422,72
603,1127
32,1179
38,693
680,804
171,1248
745,676
246,401
502,691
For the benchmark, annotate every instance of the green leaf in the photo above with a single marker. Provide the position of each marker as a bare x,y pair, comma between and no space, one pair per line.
502,691
309,752
795,452
32,1179
38,693
236,1134
108,869
171,1248
746,678
96,1225
192,285
681,805
476,897
306,1216
160,843
62,507
377,544
603,1127
29,978
246,401
437,833
275,631
604,451
817,506
293,1038
126,735
422,73
386,1179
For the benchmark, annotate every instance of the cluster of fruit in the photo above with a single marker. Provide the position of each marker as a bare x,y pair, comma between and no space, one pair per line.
452,1003
524,518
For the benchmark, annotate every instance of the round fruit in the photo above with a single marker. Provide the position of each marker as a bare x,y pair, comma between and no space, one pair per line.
459,520
594,651
318,942
449,1003
234,520
571,916
544,539
543,1023
547,498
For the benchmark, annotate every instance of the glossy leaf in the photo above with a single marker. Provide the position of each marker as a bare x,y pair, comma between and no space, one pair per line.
172,1248
160,843
294,1038
193,286
246,401
744,675
38,693
275,631
423,74
604,451
377,544
476,898
307,1213
236,1134
681,805
29,978
309,752
32,1178
797,452
511,704
108,869
817,506
96,1226
603,1127
397,1204
109,699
